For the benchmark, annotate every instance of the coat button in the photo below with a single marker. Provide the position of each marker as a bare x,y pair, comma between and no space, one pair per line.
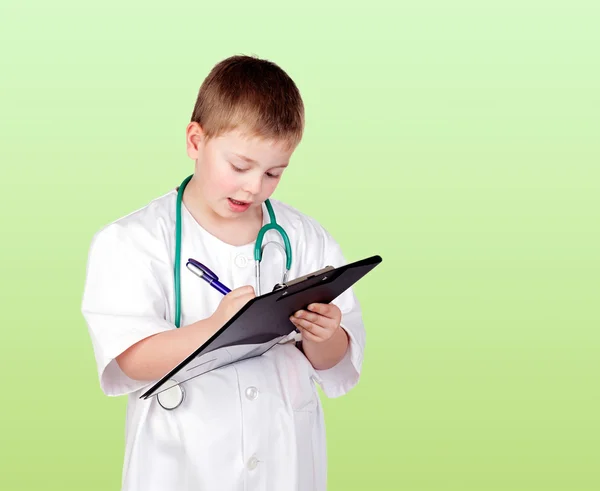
241,261
251,393
252,463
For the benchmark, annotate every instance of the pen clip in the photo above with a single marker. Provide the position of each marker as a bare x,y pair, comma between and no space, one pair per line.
207,272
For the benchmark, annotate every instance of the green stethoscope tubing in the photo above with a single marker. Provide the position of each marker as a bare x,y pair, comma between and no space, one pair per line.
258,250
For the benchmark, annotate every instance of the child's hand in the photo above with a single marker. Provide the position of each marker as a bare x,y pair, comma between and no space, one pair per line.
319,322
231,304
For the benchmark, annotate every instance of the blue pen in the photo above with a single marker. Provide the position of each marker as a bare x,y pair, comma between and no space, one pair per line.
207,275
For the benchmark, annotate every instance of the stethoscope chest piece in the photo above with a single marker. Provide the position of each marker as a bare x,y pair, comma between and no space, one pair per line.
171,397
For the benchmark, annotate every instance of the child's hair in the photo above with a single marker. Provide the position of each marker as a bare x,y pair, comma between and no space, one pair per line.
251,94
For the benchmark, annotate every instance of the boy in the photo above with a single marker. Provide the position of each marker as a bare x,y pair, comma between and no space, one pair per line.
256,424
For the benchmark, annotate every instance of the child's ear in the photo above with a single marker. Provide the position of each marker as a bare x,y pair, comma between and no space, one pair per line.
194,138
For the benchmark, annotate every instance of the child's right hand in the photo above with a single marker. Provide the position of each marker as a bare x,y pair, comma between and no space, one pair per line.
231,304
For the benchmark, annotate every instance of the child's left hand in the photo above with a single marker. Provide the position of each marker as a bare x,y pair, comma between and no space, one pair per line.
319,322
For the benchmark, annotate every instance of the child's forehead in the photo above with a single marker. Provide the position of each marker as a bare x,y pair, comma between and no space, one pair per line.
240,140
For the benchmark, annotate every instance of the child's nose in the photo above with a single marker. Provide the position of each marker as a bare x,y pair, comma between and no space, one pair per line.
253,185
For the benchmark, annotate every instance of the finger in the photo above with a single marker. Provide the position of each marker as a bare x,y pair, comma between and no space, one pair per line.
308,336
243,299
328,310
320,308
309,316
318,319
318,331
242,290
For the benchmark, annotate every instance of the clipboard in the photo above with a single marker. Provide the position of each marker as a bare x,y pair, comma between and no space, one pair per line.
264,321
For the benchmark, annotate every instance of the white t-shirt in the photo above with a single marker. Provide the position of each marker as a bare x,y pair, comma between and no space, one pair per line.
253,425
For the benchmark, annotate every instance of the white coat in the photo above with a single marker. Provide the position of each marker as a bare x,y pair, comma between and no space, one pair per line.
253,425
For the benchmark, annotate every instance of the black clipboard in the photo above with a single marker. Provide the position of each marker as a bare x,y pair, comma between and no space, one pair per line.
264,321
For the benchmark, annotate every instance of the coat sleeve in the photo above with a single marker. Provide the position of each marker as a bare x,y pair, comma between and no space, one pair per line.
123,303
339,379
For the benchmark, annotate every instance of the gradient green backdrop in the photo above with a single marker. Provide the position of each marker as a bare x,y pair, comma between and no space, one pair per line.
457,139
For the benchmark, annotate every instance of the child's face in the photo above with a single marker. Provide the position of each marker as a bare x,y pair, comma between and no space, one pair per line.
230,184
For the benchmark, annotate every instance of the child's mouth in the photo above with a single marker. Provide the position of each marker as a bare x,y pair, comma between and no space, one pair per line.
238,206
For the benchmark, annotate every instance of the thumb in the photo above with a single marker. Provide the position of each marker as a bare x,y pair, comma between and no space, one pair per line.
241,291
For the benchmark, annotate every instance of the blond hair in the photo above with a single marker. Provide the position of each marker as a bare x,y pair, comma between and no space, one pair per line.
253,94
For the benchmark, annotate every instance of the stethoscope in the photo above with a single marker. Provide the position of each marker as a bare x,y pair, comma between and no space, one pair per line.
174,395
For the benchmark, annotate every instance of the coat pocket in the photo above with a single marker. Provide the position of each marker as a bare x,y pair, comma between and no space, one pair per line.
305,427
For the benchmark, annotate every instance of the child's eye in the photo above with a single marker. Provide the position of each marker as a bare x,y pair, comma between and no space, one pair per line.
273,176
237,169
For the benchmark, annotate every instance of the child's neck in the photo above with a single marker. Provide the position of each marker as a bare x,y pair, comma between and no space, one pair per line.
234,231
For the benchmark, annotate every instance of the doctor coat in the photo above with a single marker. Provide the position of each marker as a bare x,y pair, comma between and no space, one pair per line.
253,425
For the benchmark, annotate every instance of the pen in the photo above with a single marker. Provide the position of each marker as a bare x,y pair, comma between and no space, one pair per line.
207,275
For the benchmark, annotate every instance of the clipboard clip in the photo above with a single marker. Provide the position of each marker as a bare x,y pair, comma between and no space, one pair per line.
281,286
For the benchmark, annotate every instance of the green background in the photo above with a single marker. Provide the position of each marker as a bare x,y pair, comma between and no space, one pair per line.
457,139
